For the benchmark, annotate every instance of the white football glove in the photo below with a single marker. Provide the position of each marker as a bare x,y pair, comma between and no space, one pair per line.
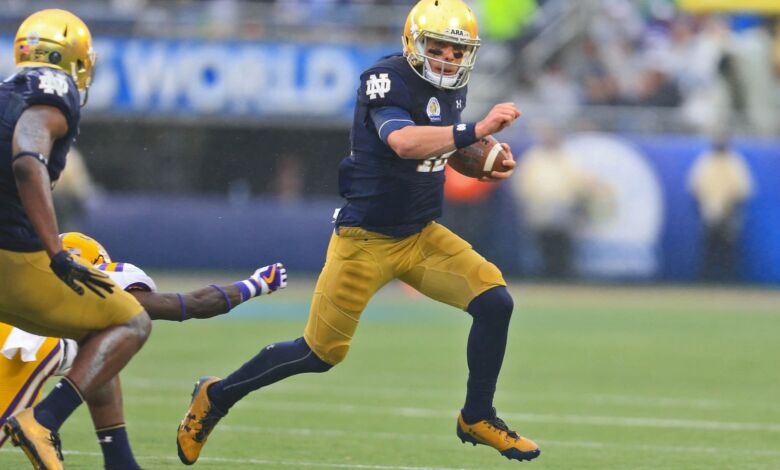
270,278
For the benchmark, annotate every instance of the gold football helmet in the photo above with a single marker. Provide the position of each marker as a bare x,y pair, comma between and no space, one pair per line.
59,39
444,20
86,247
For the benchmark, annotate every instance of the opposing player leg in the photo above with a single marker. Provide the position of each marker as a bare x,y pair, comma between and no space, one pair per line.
23,374
350,277
111,330
105,407
450,271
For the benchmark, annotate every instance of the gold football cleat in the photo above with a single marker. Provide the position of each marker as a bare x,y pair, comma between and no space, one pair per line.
495,433
198,422
41,445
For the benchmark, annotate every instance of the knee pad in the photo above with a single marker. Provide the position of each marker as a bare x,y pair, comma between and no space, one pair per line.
313,361
495,303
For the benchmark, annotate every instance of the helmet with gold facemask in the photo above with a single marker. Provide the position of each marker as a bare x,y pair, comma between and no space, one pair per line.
443,20
86,247
58,39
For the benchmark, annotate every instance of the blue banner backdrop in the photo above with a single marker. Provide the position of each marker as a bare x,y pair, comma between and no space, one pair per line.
190,78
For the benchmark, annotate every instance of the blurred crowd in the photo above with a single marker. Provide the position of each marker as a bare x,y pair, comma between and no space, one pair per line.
709,69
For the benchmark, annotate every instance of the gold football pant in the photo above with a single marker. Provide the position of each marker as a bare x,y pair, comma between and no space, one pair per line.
21,382
435,261
34,299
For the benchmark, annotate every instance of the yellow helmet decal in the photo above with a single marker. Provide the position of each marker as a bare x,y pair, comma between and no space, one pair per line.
86,247
58,39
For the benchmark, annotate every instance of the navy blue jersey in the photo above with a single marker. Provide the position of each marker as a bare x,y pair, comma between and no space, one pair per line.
28,87
385,193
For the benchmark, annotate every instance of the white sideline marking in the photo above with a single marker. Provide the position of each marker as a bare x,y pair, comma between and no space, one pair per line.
417,437
630,422
394,392
275,463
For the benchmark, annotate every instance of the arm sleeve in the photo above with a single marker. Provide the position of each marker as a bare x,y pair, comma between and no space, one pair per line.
389,119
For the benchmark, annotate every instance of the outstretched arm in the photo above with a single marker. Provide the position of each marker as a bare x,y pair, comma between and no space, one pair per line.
212,300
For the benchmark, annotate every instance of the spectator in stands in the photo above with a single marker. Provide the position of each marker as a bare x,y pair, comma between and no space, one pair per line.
549,188
600,87
721,182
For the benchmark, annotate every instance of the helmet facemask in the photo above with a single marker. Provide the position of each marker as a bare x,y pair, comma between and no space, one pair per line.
421,60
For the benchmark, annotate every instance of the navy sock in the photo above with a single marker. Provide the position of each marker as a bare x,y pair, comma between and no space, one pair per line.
273,363
53,410
117,454
491,311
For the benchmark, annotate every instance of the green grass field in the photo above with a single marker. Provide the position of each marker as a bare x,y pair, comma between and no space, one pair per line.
601,378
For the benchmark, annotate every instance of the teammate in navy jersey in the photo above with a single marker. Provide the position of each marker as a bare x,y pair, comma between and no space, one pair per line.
45,290
407,123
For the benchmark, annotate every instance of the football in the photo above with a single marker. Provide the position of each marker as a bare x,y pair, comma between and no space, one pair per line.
480,158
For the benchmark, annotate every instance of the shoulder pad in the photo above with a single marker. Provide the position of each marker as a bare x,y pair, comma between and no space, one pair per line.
128,275
53,87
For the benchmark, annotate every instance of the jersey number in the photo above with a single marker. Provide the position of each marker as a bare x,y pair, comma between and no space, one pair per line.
434,163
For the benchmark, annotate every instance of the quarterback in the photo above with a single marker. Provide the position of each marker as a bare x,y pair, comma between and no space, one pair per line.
46,290
407,123
27,360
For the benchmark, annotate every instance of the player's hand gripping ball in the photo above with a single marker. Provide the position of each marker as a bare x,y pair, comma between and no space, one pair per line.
479,159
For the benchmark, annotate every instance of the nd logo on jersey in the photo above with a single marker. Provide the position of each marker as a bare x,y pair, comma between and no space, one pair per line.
53,83
377,86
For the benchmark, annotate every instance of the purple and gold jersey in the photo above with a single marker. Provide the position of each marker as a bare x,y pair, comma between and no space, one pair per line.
29,87
385,193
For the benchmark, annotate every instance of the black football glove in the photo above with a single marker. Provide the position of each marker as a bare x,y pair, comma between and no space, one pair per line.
70,271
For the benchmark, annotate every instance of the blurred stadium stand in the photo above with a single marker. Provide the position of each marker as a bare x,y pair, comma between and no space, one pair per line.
204,99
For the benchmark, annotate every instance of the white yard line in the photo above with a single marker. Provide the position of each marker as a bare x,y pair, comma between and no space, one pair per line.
145,383
264,462
411,412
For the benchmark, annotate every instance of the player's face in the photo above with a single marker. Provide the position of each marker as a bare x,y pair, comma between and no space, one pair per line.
450,53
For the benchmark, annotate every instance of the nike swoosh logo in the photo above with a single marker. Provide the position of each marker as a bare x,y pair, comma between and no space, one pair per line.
271,277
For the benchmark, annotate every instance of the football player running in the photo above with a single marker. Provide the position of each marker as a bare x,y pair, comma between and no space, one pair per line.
47,291
27,361
407,122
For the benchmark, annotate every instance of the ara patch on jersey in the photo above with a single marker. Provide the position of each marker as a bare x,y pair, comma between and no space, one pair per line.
433,110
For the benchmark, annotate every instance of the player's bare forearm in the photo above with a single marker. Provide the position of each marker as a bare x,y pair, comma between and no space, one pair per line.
38,128
421,142
202,303
32,181
35,133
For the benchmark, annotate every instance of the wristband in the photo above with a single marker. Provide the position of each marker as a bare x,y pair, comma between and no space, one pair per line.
36,155
224,294
464,134
248,288
183,307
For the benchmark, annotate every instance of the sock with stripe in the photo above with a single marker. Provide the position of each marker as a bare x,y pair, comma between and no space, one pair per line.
115,445
63,400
